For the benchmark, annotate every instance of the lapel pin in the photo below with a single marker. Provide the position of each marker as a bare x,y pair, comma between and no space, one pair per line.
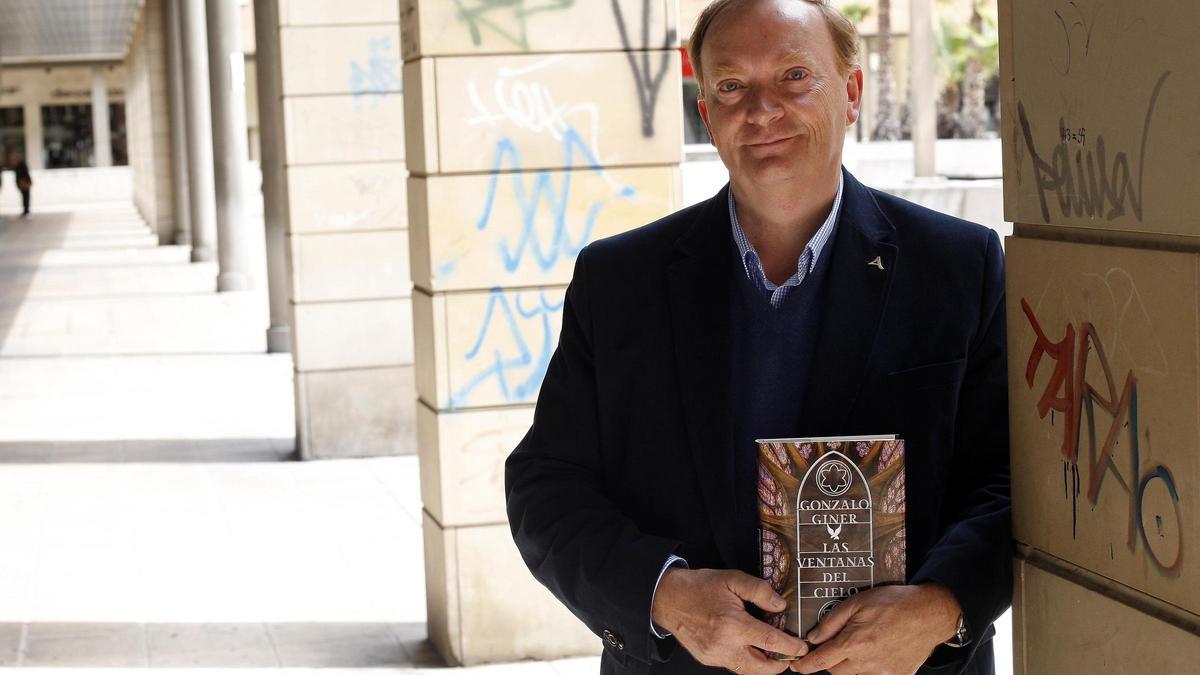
877,262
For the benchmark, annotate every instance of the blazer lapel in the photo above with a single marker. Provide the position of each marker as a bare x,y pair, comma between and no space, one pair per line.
861,272
700,295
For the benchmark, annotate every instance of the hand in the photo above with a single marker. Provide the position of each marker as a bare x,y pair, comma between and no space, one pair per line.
705,610
887,630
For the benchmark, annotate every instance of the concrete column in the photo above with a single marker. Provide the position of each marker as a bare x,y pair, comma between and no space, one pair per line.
492,254
101,133
178,127
334,178
198,115
240,245
922,79
1103,281
274,174
35,144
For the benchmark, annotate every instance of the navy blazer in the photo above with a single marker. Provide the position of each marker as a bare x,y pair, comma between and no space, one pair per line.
630,455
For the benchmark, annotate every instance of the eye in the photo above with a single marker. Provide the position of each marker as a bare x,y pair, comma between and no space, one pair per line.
727,86
797,74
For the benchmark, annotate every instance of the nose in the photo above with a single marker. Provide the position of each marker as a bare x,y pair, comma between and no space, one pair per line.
763,106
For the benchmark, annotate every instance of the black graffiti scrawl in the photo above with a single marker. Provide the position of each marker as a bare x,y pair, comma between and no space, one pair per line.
648,83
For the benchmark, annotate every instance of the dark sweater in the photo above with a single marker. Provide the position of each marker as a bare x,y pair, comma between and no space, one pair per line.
772,355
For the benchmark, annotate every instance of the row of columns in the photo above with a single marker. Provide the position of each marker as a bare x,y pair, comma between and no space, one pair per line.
209,141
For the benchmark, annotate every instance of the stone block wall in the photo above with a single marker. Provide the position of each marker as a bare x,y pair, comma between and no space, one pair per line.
1104,344
343,160
528,136
147,120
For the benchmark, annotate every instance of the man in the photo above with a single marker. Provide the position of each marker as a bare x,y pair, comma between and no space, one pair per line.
24,181
796,302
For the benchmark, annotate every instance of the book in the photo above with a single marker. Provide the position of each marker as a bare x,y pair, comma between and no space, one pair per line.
831,519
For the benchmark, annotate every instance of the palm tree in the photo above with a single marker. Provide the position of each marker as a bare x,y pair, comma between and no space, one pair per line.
887,122
968,57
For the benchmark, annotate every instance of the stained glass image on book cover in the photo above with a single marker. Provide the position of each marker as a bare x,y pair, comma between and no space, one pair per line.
831,513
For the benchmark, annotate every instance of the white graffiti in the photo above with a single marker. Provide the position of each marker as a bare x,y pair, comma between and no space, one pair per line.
530,105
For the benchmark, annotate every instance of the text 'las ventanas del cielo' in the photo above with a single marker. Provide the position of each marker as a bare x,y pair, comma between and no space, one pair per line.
831,516
834,557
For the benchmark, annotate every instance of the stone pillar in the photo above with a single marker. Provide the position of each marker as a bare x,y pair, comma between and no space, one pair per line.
923,83
335,175
101,133
529,135
35,143
148,118
1104,345
241,249
274,175
178,126
202,202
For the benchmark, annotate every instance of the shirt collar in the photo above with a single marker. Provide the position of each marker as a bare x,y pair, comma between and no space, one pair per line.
812,249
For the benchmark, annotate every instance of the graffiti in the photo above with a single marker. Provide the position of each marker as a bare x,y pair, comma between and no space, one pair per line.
649,83
530,200
538,194
1088,191
1069,393
516,368
380,76
478,15
530,105
1077,29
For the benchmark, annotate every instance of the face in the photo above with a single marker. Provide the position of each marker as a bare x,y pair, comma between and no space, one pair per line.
775,100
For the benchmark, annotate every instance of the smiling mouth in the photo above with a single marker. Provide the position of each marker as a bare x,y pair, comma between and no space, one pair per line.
768,144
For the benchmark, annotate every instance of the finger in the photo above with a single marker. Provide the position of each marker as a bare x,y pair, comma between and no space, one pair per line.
833,623
755,590
771,639
750,661
847,667
825,657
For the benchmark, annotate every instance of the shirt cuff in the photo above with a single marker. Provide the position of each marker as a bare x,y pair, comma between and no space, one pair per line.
673,560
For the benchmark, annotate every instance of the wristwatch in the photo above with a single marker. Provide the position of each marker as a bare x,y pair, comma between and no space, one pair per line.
960,638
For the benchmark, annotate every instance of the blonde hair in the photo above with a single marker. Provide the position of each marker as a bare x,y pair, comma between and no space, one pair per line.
843,32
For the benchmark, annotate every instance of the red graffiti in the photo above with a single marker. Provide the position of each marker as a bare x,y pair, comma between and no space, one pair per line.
1069,393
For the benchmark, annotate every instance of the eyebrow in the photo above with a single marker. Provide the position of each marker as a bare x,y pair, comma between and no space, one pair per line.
721,69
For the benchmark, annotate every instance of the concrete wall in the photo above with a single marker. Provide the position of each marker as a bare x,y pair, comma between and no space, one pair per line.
343,194
147,113
1104,348
518,159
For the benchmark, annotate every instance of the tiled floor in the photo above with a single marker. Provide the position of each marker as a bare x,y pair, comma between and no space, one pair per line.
217,565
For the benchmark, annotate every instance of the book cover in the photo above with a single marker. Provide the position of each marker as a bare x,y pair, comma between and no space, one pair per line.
831,514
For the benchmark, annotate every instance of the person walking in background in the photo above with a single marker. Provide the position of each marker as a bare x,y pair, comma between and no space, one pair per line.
24,181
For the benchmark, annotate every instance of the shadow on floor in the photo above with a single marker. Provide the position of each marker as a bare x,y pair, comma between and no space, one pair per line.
217,645
222,450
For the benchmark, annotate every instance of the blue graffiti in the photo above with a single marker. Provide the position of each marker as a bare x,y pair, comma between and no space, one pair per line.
518,375
543,193
379,77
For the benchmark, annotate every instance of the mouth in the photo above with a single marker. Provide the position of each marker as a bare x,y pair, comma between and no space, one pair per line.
769,144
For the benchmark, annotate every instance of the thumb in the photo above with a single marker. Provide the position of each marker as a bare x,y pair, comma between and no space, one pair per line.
832,624
757,591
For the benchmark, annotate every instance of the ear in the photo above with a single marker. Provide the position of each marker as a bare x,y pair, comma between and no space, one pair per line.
702,106
854,92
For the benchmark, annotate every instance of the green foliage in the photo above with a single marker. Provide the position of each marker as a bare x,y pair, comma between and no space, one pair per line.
958,44
856,12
